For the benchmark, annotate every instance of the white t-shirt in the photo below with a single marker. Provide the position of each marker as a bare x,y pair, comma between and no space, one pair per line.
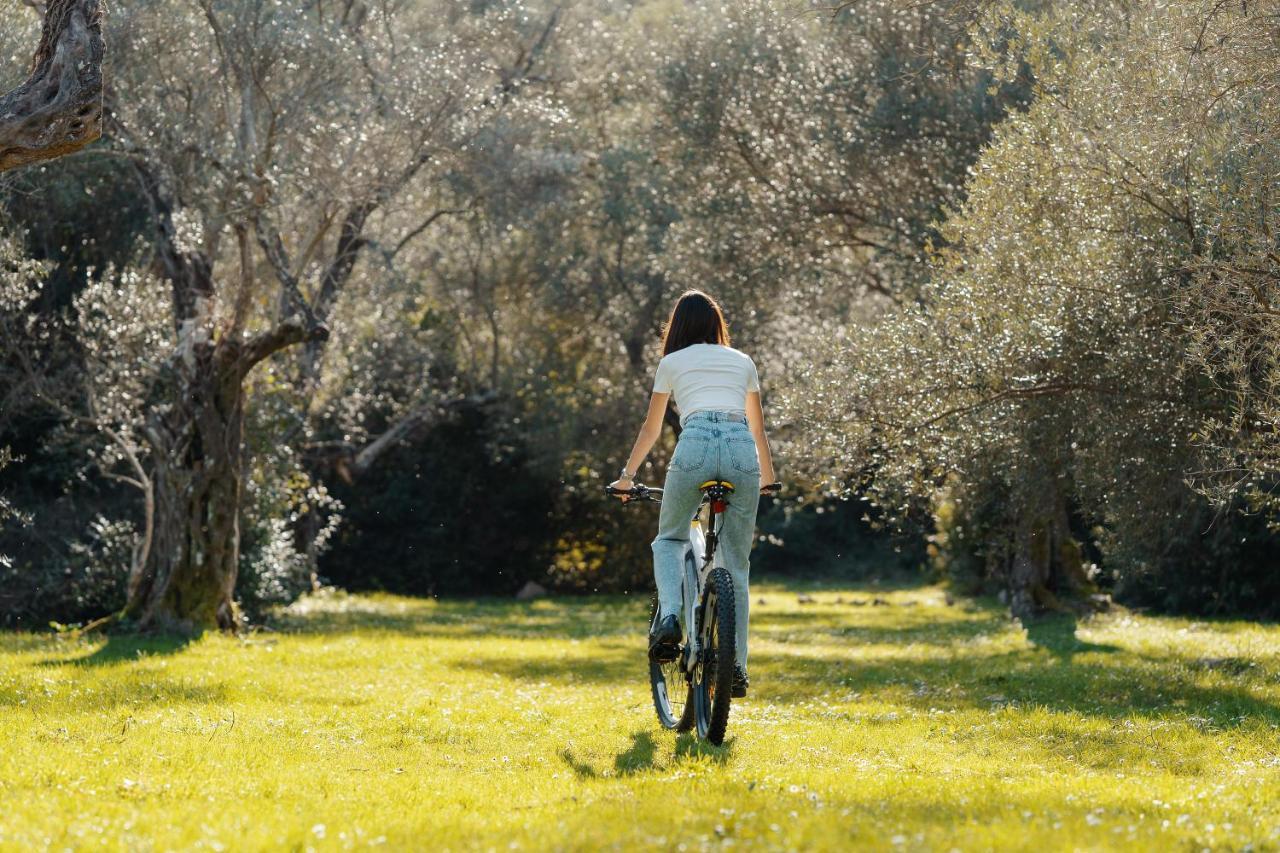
707,378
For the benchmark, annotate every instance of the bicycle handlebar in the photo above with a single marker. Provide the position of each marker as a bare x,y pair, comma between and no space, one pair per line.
641,492
638,492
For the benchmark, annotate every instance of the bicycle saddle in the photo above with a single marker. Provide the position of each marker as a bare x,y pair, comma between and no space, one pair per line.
717,492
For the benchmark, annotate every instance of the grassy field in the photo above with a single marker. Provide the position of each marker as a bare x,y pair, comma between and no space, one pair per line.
882,719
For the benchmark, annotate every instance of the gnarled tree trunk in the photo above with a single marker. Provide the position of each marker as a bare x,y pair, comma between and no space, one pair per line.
188,581
196,432
195,427
1046,571
58,109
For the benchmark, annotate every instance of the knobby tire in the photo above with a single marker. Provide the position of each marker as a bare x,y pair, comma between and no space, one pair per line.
713,682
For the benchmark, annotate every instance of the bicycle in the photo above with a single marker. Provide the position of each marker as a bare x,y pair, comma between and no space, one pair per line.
705,661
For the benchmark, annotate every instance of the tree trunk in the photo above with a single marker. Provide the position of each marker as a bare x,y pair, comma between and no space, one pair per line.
1046,572
1031,567
195,426
58,109
196,432
188,581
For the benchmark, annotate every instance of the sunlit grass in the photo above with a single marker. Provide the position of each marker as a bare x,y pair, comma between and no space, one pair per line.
880,719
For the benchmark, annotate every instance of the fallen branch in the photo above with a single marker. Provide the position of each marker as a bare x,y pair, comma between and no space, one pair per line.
351,462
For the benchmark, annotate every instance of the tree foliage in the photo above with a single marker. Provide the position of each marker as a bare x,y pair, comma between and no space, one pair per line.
1090,336
355,272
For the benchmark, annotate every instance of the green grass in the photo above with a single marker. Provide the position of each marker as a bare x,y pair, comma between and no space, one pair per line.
903,724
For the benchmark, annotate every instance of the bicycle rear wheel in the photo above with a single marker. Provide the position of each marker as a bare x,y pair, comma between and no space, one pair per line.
672,694
713,676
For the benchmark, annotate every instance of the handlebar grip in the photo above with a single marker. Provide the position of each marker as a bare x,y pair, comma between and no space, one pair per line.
773,487
638,492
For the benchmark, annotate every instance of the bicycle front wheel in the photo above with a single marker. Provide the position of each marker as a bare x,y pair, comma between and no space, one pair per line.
670,687
713,675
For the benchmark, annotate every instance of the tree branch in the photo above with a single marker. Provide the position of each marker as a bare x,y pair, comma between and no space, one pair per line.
350,240
402,429
294,329
350,462
292,302
58,109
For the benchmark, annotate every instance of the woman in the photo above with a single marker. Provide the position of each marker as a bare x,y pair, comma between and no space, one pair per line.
717,393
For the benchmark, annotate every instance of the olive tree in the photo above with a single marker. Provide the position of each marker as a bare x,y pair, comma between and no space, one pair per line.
1051,367
91,365
1230,303
271,162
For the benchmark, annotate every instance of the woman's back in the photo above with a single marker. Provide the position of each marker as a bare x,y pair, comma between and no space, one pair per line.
707,378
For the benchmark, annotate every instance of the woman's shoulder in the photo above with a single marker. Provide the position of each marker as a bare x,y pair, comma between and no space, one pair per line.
697,352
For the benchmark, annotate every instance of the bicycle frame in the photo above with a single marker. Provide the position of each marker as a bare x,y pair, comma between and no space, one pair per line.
709,671
701,541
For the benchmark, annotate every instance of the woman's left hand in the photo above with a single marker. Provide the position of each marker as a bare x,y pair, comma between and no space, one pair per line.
622,485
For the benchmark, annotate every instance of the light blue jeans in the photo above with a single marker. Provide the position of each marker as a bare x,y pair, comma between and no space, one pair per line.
713,445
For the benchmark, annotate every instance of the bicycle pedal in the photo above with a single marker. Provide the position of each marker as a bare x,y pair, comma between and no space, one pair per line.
664,653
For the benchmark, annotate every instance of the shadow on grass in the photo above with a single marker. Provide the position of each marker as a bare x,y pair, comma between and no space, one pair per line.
606,664
547,618
638,757
135,692
689,745
767,585
941,658
1059,671
120,648
130,686
581,768
642,755
1115,691
634,759
803,627
930,657
1056,634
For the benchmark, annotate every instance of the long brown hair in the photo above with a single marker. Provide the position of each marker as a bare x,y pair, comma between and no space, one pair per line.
695,319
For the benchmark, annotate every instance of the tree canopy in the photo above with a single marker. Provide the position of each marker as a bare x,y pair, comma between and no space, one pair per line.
385,278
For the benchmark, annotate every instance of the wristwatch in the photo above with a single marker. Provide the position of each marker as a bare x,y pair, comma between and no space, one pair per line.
626,475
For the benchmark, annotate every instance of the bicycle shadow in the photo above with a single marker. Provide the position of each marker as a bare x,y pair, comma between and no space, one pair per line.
638,757
642,755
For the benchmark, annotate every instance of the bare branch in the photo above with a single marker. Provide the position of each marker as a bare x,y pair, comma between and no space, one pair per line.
351,463
404,241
